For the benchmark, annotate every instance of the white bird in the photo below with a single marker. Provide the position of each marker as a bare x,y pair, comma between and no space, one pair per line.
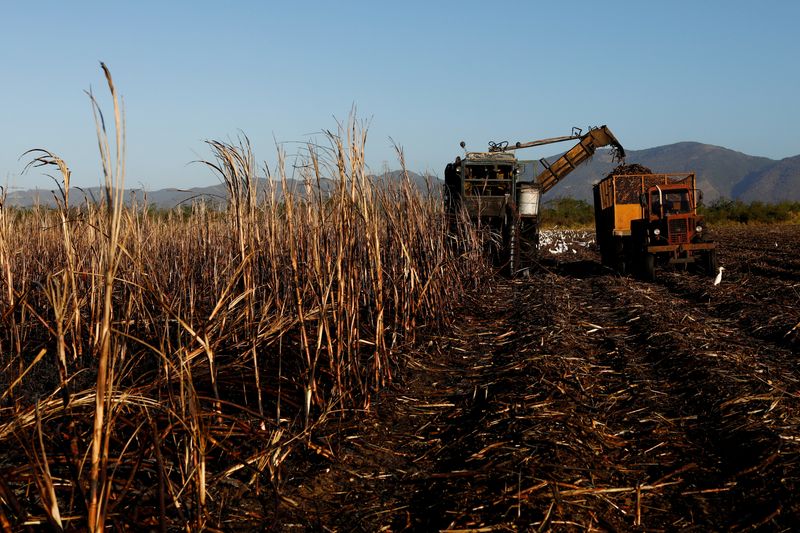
560,248
719,276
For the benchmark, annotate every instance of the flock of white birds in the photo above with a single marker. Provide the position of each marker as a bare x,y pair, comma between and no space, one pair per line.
560,241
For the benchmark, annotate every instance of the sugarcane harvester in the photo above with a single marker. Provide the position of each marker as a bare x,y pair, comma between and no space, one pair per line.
502,194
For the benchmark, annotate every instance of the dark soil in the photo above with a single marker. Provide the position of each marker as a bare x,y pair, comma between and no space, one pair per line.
581,400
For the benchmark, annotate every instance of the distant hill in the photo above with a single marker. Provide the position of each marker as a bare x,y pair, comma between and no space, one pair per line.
779,181
720,172
165,198
169,198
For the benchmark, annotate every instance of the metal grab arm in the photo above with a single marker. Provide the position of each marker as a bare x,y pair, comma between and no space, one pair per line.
504,147
594,139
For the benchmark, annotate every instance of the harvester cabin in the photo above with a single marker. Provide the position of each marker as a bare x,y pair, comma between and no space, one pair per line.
488,181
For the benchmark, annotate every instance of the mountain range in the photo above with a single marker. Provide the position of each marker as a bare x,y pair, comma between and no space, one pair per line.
721,173
215,194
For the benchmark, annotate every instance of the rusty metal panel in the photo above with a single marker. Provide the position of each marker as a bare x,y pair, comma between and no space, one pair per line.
627,189
606,193
623,215
679,230
653,180
488,206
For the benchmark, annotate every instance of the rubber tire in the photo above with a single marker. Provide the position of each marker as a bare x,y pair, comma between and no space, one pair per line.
711,263
620,257
528,244
510,258
649,267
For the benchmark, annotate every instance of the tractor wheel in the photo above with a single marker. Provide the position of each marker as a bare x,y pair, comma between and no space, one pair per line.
528,244
510,241
711,263
649,267
622,266
620,257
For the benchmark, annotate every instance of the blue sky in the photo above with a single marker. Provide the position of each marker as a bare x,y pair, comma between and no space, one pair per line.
426,74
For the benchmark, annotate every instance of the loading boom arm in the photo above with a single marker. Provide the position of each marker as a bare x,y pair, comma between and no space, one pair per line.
576,155
587,145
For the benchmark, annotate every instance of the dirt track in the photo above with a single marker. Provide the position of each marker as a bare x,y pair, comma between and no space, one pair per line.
582,400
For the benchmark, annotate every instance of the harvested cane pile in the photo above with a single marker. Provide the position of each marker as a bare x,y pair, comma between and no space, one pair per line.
633,168
628,191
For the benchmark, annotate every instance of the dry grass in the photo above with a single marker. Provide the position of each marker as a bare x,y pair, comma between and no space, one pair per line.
154,363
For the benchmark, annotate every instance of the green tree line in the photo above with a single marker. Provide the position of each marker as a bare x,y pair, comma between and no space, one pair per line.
567,212
724,211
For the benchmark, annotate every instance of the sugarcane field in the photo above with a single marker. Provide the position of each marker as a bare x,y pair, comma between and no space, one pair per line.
224,307
572,398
